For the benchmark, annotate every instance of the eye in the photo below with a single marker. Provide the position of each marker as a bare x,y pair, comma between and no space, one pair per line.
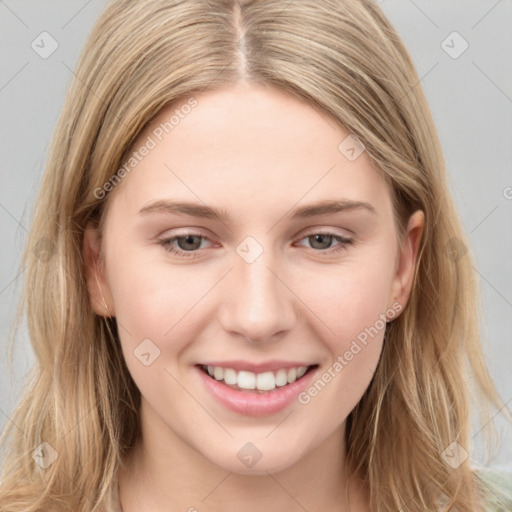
322,242
187,243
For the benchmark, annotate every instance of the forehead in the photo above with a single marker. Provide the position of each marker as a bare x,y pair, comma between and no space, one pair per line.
243,118
249,145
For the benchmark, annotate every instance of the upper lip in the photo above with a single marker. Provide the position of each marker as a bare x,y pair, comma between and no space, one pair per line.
266,366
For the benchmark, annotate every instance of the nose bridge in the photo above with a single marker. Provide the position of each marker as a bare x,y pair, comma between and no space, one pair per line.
257,303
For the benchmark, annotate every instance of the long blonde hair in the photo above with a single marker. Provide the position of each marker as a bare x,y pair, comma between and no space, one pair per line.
341,56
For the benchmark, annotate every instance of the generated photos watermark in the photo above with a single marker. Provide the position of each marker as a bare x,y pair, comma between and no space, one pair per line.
343,360
151,142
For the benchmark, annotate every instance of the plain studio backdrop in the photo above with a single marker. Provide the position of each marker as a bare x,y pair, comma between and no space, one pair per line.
462,50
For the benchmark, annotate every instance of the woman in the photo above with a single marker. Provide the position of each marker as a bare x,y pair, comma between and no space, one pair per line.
198,346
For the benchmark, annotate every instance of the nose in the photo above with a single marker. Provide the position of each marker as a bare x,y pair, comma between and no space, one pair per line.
258,302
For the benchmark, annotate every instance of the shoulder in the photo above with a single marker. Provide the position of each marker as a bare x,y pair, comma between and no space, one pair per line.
496,485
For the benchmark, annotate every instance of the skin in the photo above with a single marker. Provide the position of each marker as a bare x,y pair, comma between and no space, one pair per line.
259,154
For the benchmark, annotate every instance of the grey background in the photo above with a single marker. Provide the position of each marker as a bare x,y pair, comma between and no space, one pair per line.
470,97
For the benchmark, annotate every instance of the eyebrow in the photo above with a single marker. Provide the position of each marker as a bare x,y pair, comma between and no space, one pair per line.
206,212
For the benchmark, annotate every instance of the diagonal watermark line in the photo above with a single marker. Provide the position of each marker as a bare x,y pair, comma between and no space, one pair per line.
286,491
14,76
312,187
77,280
420,80
406,499
11,421
494,288
65,269
3,3
492,81
284,8
12,280
199,403
199,300
80,420
424,14
76,14
494,416
92,92
227,227
333,333
13,217
217,486
280,423
389,389
492,211
485,15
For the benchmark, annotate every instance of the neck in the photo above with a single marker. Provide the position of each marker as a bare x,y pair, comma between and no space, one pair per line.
163,472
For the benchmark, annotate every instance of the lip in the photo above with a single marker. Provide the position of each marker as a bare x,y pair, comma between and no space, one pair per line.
255,404
267,366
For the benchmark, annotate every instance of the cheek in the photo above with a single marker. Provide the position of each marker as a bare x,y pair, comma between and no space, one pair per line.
349,298
154,301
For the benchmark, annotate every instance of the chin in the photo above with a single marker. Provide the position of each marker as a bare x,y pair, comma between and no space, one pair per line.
264,461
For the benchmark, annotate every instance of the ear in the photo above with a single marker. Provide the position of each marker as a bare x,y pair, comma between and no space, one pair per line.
97,286
406,260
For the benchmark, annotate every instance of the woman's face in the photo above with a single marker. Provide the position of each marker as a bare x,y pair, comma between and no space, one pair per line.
252,276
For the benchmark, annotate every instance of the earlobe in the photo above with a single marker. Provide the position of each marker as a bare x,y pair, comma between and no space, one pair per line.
407,259
97,286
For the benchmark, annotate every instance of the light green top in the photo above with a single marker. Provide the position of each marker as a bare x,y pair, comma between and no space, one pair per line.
497,486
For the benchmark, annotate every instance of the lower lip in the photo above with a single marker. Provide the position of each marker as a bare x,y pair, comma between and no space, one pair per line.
256,404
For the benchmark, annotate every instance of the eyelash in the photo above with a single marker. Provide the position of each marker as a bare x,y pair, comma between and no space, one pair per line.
168,246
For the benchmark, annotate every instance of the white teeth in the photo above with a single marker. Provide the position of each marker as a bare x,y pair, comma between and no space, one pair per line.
281,379
230,376
246,380
266,381
301,371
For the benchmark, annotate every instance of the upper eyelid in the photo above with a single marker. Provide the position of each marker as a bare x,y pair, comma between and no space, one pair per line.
327,231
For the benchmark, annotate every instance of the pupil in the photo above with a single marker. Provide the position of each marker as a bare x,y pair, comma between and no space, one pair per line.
320,238
189,240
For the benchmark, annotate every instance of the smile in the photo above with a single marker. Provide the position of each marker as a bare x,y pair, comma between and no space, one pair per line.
254,393
259,382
